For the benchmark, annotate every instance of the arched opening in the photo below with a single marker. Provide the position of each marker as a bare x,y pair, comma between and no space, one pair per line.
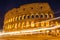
37,16
28,16
20,17
41,16
51,15
32,16
23,17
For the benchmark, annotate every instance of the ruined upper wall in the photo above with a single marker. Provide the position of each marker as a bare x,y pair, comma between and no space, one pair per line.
32,8
28,14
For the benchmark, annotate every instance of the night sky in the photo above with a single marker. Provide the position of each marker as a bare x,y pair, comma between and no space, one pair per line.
6,5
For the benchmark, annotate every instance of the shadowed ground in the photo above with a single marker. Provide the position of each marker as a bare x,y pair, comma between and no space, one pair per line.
31,37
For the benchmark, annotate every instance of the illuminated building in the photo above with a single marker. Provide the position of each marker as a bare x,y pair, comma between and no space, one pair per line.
28,16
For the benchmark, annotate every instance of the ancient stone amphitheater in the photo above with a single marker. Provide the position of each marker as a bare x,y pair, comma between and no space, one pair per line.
28,17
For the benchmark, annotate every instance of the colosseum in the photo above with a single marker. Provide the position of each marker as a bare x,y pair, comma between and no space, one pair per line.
28,17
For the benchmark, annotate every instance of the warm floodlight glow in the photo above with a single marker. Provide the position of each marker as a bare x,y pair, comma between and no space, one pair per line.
29,31
49,20
32,24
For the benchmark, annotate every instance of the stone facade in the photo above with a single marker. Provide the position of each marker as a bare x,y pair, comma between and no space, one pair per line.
30,16
27,17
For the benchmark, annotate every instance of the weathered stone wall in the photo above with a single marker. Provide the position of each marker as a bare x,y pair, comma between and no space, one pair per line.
27,16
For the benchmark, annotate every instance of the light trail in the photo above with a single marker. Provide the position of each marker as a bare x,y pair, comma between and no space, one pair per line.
38,29
31,31
49,20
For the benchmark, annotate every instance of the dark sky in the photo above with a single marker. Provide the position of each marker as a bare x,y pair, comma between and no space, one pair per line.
6,5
